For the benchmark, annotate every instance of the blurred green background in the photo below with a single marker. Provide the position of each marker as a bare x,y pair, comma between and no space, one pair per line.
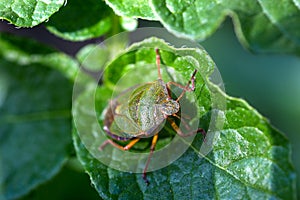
270,83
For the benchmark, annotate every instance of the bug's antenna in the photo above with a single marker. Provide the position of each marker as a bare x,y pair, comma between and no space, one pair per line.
158,62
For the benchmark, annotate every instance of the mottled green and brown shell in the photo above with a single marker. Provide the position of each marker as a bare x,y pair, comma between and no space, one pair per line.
141,111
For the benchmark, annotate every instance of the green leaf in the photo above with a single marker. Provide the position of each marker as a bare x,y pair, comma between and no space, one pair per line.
129,8
297,3
93,57
25,52
76,185
28,13
81,20
35,114
250,159
262,26
128,24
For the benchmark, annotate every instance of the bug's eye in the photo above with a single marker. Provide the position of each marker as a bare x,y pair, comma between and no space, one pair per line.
169,107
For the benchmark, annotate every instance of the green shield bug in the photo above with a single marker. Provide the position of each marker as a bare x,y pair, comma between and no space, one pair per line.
141,111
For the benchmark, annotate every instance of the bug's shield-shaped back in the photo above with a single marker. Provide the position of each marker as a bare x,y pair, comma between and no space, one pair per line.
139,112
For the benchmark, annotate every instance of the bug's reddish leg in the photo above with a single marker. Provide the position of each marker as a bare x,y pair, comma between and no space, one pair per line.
169,91
203,132
127,147
153,144
192,80
158,63
183,121
184,88
179,132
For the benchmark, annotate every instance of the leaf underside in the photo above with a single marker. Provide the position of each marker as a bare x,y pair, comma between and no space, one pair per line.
81,20
261,26
129,8
28,13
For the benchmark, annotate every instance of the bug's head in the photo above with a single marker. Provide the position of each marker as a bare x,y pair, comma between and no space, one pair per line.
169,107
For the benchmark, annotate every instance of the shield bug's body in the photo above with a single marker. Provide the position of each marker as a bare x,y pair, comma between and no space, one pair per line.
140,112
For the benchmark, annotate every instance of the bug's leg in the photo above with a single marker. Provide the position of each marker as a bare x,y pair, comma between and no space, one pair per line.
153,144
189,87
187,126
179,132
114,136
183,121
158,63
169,90
127,147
